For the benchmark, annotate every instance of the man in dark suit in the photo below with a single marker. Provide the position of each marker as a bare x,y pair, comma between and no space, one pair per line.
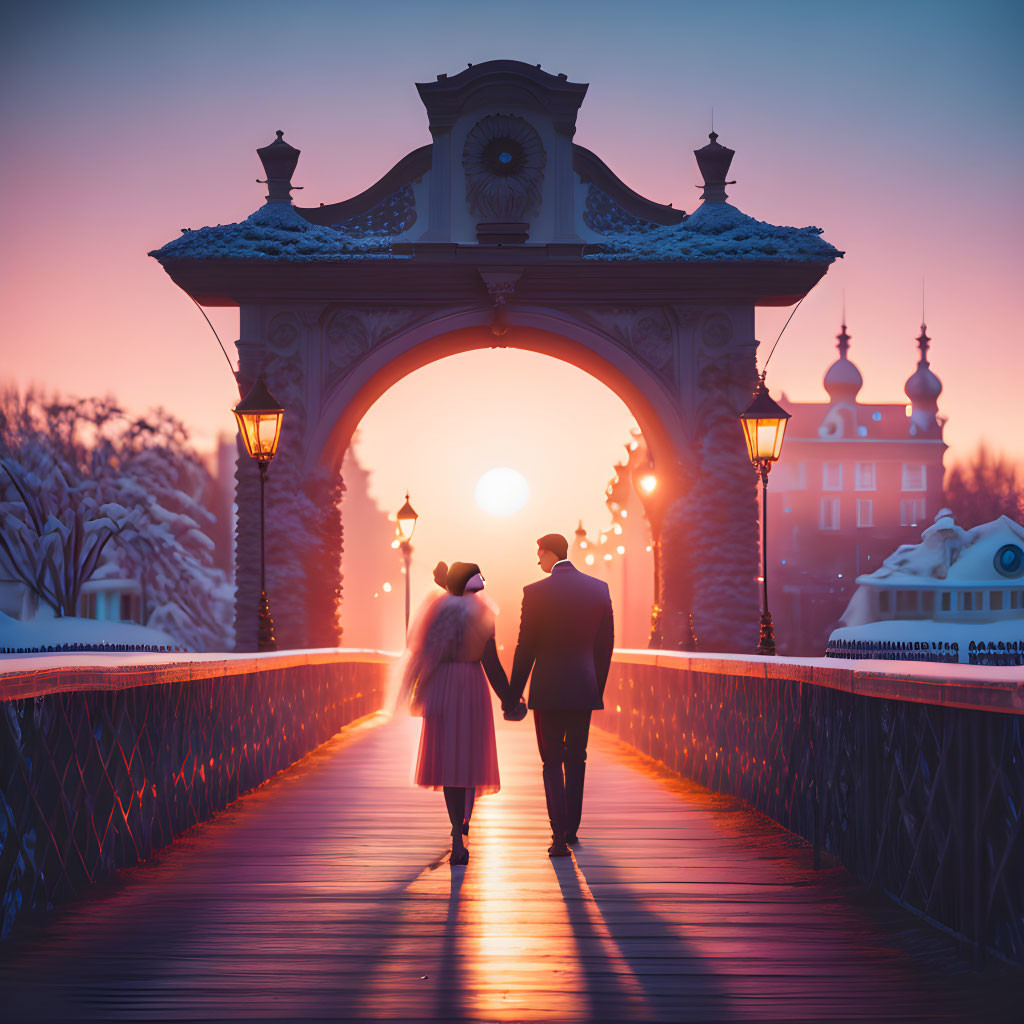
565,638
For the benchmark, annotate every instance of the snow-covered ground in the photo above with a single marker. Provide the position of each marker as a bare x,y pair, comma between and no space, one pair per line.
47,631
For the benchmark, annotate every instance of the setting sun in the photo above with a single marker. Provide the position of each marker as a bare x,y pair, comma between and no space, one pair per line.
502,491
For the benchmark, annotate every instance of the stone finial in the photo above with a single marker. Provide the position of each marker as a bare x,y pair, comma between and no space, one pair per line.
713,161
279,160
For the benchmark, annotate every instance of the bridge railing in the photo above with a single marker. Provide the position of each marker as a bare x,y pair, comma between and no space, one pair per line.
105,759
912,775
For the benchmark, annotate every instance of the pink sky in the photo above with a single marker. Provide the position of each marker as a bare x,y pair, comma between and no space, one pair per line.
894,128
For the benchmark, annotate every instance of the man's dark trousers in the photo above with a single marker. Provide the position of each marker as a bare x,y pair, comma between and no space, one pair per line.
562,741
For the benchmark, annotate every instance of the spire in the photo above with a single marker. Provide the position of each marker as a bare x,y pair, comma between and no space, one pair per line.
843,380
923,388
279,160
922,343
713,161
844,340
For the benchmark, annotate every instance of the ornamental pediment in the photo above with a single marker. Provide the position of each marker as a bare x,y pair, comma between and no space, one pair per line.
502,170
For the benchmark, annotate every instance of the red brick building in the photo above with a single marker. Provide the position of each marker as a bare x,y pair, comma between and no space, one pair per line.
854,482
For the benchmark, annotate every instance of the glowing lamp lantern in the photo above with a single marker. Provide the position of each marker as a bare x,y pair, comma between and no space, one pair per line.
259,416
648,482
764,427
259,419
406,517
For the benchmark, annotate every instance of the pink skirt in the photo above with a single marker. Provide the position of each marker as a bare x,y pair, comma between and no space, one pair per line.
457,739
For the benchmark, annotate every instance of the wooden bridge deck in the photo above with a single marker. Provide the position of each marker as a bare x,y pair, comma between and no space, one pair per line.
326,895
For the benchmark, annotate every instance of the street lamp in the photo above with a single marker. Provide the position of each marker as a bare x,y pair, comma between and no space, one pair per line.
406,517
764,425
259,419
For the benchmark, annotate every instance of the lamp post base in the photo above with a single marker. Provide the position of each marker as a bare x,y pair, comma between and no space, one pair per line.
265,630
766,645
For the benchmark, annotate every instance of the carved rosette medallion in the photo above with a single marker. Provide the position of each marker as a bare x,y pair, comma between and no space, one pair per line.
504,161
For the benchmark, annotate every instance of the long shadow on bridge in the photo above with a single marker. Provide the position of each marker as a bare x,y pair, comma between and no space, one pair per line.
325,895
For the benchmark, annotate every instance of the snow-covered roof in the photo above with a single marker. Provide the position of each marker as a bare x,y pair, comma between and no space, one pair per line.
949,555
716,231
275,231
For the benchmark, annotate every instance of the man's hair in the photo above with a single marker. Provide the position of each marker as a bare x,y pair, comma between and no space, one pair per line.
555,543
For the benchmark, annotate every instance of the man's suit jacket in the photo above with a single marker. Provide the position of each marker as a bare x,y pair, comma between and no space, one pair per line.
565,636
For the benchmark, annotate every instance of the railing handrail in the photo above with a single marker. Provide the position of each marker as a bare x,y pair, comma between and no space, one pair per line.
975,687
38,675
972,687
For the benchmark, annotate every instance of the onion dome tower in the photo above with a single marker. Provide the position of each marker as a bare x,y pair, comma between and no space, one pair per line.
843,380
923,389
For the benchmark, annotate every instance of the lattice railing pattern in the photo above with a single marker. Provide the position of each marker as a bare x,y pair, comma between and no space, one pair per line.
919,799
92,780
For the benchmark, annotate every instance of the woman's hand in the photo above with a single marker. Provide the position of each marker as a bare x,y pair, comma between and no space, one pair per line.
516,713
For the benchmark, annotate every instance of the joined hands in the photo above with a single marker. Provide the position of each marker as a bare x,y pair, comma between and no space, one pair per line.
516,712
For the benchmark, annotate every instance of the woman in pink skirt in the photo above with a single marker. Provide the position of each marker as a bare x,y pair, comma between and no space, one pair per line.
452,657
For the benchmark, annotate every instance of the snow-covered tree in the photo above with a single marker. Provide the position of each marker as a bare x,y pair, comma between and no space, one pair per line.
138,491
53,530
984,488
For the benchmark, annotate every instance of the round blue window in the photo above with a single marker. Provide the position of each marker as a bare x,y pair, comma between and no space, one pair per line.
1009,560
505,158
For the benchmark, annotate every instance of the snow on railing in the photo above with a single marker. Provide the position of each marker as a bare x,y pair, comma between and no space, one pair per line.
97,649
980,653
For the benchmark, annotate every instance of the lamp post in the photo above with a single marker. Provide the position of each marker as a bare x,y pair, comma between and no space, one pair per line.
764,425
406,517
259,419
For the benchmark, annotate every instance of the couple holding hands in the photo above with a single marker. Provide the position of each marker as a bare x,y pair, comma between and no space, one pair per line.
565,640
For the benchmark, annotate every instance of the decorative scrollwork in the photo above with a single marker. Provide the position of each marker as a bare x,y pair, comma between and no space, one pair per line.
717,331
351,333
646,332
504,161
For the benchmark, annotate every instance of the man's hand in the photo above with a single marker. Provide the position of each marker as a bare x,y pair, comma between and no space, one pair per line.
515,713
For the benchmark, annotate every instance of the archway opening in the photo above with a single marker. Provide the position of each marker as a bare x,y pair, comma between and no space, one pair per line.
495,448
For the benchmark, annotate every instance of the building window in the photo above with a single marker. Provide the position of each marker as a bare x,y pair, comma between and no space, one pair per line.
927,602
832,476
865,512
1017,598
87,606
914,476
946,601
911,511
130,608
995,601
830,513
906,600
865,476
883,601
